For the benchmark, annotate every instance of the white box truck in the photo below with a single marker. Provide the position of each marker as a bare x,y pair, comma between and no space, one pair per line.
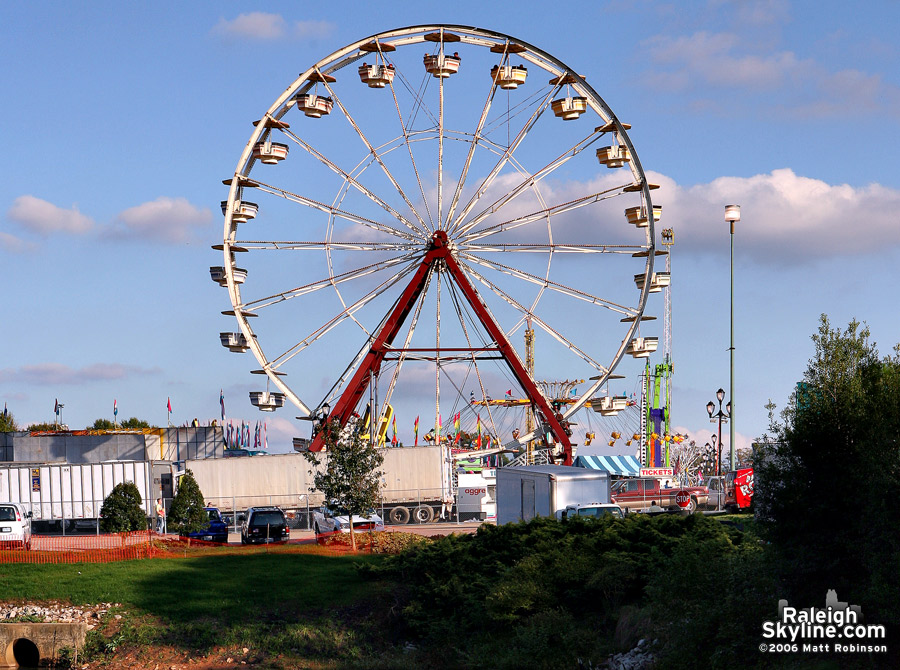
543,490
72,494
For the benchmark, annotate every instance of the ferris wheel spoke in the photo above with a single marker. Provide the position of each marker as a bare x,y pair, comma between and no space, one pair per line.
471,153
412,159
374,153
559,248
549,284
536,319
334,211
346,313
295,245
418,97
333,280
318,155
542,214
530,181
486,183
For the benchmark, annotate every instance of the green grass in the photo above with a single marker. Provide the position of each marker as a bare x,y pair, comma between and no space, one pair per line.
225,587
287,603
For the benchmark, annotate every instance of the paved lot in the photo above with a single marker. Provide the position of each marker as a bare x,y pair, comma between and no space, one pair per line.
427,529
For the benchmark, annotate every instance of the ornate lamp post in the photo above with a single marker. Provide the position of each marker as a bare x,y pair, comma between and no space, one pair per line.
732,215
721,417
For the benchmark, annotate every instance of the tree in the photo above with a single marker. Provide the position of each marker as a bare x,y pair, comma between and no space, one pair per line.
829,475
121,511
42,427
350,476
102,424
7,422
134,423
186,515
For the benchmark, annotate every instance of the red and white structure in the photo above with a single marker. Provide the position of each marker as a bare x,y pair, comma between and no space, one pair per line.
420,222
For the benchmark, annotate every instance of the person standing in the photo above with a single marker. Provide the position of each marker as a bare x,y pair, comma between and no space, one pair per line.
160,516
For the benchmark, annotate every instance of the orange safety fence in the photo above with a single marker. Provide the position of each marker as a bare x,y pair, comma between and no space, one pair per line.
110,547
79,548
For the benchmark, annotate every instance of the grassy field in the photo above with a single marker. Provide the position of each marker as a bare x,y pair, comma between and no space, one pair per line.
292,605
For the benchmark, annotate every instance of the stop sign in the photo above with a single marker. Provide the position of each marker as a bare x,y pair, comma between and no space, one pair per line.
683,498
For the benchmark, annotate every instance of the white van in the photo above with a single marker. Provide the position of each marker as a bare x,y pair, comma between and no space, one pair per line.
15,526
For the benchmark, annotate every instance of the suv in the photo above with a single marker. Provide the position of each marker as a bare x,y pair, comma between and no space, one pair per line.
15,526
264,524
215,530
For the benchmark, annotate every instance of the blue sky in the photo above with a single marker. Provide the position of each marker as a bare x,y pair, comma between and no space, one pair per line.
119,126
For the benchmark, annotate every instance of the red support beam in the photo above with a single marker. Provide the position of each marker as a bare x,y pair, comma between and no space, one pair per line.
381,345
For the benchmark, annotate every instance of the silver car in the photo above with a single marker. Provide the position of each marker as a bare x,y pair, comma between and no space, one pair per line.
15,526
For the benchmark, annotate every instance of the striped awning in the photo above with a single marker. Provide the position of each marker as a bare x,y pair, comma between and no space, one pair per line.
627,466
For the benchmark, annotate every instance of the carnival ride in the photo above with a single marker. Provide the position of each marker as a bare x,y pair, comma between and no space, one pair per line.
420,211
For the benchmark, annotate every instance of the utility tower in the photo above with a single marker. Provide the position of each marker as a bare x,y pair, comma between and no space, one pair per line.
529,367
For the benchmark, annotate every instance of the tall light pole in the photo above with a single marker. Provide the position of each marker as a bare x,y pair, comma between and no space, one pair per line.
721,417
732,215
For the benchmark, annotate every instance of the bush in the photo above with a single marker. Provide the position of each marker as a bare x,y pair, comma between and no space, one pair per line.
121,511
565,586
186,515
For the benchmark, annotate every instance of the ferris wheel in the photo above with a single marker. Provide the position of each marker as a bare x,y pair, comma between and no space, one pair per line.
415,202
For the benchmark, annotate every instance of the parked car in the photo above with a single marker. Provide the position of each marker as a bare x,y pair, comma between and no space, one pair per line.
334,519
15,526
264,524
593,510
216,529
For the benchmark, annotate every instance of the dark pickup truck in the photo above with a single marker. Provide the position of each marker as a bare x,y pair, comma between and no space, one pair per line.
635,494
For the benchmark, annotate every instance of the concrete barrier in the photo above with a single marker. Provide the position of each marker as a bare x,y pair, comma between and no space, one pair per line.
30,644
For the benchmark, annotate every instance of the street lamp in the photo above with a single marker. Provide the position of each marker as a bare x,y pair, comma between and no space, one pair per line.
721,417
732,215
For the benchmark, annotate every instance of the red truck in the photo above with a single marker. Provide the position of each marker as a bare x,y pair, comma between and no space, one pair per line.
739,489
635,494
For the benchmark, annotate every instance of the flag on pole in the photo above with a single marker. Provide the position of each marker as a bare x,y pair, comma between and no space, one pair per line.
416,431
56,406
478,428
265,439
222,402
394,439
115,407
169,405
456,428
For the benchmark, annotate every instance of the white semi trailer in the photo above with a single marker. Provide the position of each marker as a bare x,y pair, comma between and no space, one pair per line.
543,490
66,494
413,487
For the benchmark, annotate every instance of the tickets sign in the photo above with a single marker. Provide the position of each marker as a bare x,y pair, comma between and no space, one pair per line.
657,472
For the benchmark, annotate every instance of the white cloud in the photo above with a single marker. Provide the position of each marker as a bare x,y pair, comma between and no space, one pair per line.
797,86
13,244
264,26
705,59
164,219
48,374
785,217
255,25
45,218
